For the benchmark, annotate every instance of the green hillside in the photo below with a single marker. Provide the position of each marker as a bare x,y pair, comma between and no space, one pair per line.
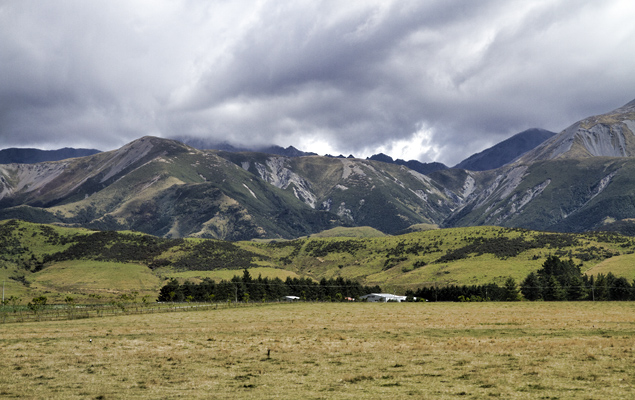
474,255
41,259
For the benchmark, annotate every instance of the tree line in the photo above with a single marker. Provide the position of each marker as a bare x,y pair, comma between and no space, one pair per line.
247,288
560,280
556,280
489,292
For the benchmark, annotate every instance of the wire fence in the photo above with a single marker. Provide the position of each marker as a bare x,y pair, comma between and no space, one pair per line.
60,312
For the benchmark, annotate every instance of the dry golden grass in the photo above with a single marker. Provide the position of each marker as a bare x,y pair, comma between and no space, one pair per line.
324,351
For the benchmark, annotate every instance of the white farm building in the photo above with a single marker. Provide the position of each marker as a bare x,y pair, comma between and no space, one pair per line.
383,297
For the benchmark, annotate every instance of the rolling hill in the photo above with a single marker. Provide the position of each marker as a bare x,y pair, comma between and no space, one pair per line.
57,261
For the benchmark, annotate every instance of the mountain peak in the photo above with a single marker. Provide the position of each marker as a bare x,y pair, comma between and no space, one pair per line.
505,151
154,145
607,135
281,151
381,157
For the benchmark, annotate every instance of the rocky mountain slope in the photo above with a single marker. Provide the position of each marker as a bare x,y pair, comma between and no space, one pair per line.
606,135
166,188
557,195
577,180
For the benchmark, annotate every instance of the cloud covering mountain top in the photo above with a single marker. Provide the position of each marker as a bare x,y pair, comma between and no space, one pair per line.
426,80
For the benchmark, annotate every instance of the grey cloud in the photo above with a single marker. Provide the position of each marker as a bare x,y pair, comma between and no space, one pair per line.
448,77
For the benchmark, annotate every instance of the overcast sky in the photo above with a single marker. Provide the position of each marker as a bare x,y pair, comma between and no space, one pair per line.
426,80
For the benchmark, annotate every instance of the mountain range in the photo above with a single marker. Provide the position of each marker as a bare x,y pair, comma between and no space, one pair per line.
573,181
203,144
31,156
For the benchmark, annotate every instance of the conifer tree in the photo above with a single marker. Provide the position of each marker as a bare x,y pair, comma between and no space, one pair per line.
619,289
553,291
510,290
576,289
531,287
601,288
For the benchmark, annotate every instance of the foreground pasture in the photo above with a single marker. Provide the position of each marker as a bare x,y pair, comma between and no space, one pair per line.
330,350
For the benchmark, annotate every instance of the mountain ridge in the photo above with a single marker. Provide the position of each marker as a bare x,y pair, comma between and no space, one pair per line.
15,155
506,151
422,168
611,134
203,144
166,188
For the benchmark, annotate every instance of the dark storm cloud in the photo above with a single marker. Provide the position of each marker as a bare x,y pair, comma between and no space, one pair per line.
434,80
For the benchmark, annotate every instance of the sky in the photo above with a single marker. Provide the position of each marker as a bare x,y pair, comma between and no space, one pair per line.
427,80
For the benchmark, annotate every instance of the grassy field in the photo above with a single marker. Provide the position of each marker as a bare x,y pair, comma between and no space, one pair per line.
619,266
93,277
323,351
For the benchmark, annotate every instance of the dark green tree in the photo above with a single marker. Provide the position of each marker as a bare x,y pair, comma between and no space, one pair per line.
246,276
564,271
531,287
553,291
555,280
13,301
576,289
600,288
619,289
510,290
172,291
